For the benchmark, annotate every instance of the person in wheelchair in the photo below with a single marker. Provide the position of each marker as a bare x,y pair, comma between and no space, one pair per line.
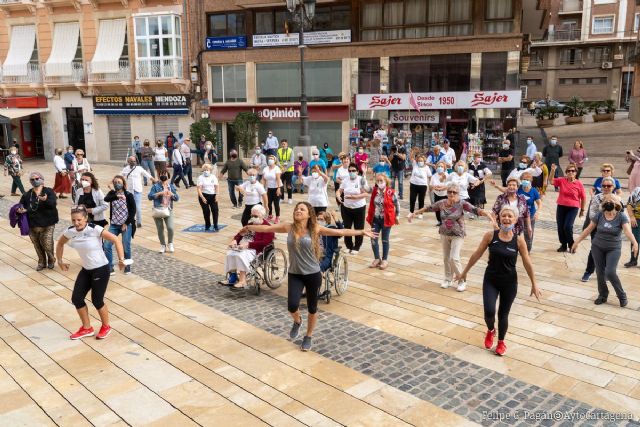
329,243
244,248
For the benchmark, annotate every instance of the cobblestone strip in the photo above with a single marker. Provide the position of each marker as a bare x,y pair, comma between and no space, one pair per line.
482,395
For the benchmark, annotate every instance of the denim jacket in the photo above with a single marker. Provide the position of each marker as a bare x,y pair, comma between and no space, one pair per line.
157,201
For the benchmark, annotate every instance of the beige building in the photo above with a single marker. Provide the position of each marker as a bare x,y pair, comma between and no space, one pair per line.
583,48
93,73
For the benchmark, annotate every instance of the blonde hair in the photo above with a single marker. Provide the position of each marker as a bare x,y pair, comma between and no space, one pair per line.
607,165
385,177
578,141
207,166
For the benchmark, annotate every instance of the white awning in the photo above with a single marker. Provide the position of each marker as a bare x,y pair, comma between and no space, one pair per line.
65,44
110,43
23,39
16,113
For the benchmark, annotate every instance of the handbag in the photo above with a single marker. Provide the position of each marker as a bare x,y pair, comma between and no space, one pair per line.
630,168
161,212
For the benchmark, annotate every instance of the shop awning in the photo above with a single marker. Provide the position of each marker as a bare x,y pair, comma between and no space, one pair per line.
136,112
110,44
65,45
23,39
16,113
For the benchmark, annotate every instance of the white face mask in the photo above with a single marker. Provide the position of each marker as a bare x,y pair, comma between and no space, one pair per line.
255,221
381,185
206,173
85,184
314,175
271,162
421,164
460,169
505,146
258,151
208,147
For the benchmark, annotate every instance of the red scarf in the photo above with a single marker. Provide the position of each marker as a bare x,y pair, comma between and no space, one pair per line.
389,207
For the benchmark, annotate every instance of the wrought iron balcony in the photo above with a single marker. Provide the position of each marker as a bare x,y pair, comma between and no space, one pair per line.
33,75
122,75
563,35
158,69
77,75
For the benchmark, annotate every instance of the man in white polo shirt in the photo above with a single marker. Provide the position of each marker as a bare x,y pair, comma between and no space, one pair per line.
133,173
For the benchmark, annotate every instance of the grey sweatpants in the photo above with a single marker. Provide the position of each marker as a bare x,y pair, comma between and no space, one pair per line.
606,263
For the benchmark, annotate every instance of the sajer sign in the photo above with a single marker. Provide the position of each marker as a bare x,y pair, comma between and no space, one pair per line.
414,117
440,100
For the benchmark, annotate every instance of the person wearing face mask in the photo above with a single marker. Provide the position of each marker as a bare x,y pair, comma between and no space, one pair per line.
353,190
479,170
606,170
69,157
505,159
434,157
419,181
271,179
258,161
146,154
207,191
40,205
438,186
122,218
324,153
500,276
534,202
571,198
136,148
511,198
606,246
316,160
552,154
254,194
134,175
361,158
301,169
523,166
186,155
271,145
209,155
13,167
160,158
92,198
398,158
383,166
164,194
633,158
606,186
383,213
540,182
531,148
285,161
80,165
463,179
633,210
178,163
201,148
62,183
449,155
234,166
317,185
578,155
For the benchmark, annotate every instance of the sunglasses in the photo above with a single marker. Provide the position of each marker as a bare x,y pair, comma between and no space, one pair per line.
352,170
452,192
571,171
605,170
607,186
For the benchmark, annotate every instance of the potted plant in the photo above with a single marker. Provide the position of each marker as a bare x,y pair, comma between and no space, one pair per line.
575,111
545,116
604,110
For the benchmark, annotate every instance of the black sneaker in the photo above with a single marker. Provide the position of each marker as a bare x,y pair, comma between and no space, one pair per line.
112,272
295,329
586,277
562,248
632,263
306,343
600,300
127,269
623,302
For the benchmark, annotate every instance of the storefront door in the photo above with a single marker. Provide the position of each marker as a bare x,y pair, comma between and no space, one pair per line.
28,144
75,128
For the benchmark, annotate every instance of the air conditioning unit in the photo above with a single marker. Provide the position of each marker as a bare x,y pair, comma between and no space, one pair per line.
607,65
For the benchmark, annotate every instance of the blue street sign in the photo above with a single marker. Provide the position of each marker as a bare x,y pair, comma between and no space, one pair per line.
222,43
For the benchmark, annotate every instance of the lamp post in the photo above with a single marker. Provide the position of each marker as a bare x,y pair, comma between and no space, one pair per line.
302,12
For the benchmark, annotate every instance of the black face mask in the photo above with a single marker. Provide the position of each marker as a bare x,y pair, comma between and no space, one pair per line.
163,178
300,158
609,206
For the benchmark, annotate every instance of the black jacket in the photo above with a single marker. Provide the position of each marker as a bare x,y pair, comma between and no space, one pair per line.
131,207
41,214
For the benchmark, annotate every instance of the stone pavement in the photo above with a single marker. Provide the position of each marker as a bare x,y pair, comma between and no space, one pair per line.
394,349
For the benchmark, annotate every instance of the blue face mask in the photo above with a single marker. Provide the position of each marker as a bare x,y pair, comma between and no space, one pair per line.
118,187
353,175
525,183
460,169
506,228
439,169
554,142
522,165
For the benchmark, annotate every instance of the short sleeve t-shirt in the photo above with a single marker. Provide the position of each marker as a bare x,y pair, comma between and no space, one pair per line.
317,191
252,192
420,175
269,175
353,187
530,196
609,233
506,153
342,174
88,243
597,185
208,183
571,192
397,164
385,169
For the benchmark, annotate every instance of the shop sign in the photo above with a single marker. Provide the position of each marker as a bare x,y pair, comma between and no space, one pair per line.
223,43
440,100
141,104
414,117
282,113
293,39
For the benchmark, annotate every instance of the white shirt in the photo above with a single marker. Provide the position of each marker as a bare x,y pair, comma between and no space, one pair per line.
81,167
482,173
436,181
420,175
88,243
253,192
317,191
160,154
186,151
379,134
259,161
177,157
518,173
208,183
271,143
463,182
353,187
269,175
449,155
59,163
134,177
531,150
342,174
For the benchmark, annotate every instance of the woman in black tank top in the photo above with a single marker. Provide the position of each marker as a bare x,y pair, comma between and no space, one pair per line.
500,276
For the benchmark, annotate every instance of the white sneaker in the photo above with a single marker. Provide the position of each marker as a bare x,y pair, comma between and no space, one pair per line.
445,284
290,201
354,252
420,216
462,286
171,248
162,249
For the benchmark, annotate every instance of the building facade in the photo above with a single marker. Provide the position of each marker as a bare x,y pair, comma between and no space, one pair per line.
93,73
443,50
585,49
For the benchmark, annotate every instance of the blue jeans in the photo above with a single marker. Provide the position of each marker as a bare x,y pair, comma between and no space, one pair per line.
231,183
147,164
378,227
126,242
400,176
138,198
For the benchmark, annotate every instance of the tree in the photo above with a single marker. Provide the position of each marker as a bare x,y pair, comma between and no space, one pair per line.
245,127
202,127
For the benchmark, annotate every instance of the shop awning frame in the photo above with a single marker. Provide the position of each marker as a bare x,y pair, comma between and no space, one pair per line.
23,39
111,37
16,113
148,112
65,45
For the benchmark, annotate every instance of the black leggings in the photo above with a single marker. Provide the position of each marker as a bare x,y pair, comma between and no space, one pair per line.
209,209
416,192
96,281
246,213
507,291
308,282
273,200
353,218
565,217
437,198
286,184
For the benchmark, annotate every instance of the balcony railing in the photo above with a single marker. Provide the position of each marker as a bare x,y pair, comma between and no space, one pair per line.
159,68
122,75
77,75
33,75
563,35
571,6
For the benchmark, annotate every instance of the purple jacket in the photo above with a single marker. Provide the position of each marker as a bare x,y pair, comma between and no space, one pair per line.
19,219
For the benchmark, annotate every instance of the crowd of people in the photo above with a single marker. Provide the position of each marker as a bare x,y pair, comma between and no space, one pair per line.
448,184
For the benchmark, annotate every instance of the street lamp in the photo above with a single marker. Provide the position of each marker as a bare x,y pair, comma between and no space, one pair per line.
302,12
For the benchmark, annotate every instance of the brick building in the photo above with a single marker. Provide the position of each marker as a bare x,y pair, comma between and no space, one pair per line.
93,73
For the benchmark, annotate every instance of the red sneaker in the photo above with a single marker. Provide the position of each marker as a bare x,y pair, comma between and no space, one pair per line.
105,330
488,339
82,332
501,348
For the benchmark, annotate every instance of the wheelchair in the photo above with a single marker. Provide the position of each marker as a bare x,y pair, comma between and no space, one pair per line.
336,276
269,267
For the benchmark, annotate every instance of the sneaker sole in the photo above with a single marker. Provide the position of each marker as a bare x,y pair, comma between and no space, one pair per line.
98,337
83,336
305,349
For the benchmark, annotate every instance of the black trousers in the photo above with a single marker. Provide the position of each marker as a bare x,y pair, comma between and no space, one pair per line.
504,174
286,184
591,264
209,210
273,200
353,218
416,192
437,198
565,217
96,281
492,288
308,282
246,213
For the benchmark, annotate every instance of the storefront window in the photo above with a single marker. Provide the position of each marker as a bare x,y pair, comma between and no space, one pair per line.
435,73
499,16
369,75
280,82
226,24
229,83
493,75
321,132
